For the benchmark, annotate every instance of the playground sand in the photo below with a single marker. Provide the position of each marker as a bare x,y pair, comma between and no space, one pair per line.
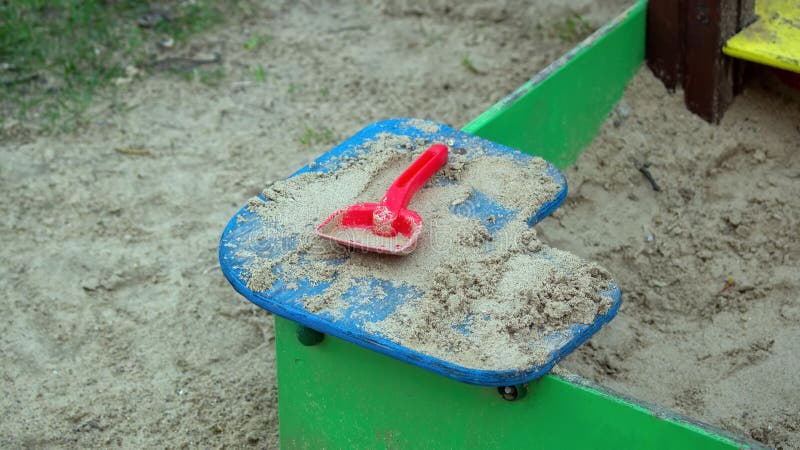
500,287
710,320
118,330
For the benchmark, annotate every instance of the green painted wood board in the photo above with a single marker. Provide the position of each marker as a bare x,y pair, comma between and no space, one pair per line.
557,113
339,395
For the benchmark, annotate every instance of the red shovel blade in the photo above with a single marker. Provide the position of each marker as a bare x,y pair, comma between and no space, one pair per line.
386,227
354,227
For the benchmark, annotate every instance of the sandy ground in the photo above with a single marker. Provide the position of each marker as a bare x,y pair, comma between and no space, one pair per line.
710,322
119,330
117,327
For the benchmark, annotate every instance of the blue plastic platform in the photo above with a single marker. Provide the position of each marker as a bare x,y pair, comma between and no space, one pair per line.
284,298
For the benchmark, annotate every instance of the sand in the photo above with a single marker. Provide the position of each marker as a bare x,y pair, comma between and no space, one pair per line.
708,265
491,298
119,330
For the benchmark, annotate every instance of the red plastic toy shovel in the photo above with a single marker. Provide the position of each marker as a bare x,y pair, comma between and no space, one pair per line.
386,227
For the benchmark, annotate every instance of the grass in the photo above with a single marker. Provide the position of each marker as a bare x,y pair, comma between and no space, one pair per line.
573,28
256,42
57,55
467,64
260,74
312,136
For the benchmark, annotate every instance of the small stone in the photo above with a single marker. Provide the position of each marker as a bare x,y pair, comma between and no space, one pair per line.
90,284
623,109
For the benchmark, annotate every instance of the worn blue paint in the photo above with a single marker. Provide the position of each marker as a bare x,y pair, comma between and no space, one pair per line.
247,237
492,215
362,307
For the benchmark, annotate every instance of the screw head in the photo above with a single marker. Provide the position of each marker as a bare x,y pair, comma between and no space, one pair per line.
512,393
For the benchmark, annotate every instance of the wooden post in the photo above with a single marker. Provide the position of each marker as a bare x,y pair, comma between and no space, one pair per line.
684,48
663,45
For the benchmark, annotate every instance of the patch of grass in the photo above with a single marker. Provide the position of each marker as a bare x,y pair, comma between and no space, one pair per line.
186,19
573,28
470,67
256,42
312,136
260,74
56,55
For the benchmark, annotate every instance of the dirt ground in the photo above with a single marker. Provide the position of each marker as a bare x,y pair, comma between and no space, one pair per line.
118,328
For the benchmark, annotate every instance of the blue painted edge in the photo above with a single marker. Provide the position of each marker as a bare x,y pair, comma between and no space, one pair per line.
384,346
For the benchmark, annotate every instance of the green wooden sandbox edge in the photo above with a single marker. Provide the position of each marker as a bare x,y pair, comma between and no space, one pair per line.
558,112
339,395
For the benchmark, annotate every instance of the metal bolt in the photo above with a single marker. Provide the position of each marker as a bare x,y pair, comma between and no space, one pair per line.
512,393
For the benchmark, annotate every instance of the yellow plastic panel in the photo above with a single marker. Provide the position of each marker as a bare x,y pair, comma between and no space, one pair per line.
772,40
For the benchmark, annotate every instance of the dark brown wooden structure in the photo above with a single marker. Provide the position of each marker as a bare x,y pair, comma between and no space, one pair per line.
684,49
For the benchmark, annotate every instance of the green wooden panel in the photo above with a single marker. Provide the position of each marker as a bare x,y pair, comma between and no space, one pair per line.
339,395
559,111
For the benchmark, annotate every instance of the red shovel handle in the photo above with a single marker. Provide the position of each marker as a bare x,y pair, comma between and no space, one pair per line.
408,183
